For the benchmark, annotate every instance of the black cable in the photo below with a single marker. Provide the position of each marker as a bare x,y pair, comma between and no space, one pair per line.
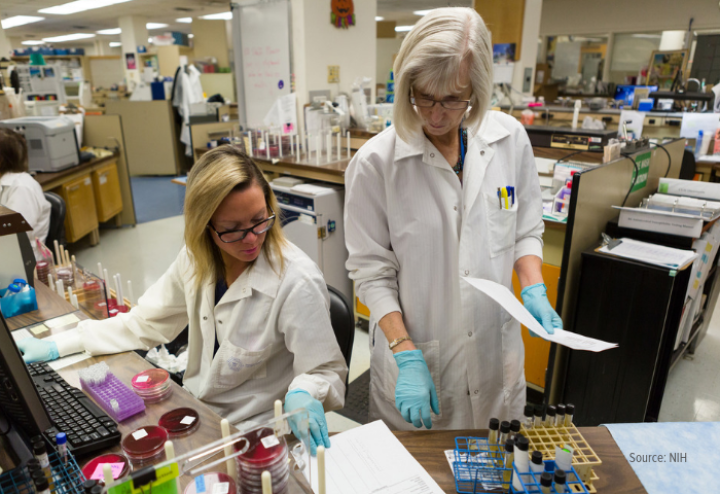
668,155
571,155
637,172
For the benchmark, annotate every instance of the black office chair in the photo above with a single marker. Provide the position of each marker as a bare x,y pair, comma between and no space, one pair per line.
342,321
687,168
57,219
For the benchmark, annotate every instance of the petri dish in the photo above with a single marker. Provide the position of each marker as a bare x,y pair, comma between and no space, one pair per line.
120,465
145,443
152,384
180,422
211,483
259,454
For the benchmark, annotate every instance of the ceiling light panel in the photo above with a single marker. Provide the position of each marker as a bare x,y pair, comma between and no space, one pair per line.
68,37
33,42
184,20
116,30
155,25
79,6
20,20
221,16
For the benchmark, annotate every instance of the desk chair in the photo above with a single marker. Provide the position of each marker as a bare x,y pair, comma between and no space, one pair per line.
57,219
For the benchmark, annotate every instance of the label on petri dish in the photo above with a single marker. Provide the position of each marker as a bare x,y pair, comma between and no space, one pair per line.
142,379
200,484
116,468
139,434
270,441
187,420
221,488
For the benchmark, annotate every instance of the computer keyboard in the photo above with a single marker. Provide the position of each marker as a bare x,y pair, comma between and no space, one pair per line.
88,428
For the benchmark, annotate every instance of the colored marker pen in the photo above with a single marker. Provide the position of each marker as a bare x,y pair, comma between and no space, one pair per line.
528,423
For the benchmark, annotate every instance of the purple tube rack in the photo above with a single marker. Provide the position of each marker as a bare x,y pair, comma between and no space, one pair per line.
112,388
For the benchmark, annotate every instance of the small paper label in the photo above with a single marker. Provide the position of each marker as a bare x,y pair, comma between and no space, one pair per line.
102,179
269,441
139,434
116,468
221,488
87,181
200,484
40,328
142,379
187,420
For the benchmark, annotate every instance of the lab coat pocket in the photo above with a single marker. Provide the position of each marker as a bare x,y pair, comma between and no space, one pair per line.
431,354
233,365
513,359
501,226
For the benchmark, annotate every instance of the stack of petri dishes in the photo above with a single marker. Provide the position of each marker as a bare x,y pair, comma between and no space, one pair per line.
145,444
265,451
152,385
67,277
180,422
211,483
120,465
43,270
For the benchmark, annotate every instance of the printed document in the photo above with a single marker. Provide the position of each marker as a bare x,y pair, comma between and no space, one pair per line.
370,459
651,253
507,300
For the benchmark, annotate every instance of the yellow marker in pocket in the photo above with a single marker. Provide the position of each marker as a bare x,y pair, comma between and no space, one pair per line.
504,195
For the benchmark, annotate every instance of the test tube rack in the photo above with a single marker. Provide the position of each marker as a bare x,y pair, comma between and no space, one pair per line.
67,478
478,468
544,439
127,403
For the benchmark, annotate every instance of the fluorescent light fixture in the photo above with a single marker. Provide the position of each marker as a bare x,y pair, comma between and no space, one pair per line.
20,20
68,37
79,6
379,18
33,42
115,44
116,30
225,16
155,25
184,20
191,35
403,29
150,40
651,36
422,12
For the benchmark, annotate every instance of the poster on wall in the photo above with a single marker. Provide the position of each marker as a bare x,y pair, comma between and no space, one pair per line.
342,13
664,68
130,61
503,53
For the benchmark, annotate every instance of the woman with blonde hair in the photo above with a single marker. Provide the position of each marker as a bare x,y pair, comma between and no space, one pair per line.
256,306
425,207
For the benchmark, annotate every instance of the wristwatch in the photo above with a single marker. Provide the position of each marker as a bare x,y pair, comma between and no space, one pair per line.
397,341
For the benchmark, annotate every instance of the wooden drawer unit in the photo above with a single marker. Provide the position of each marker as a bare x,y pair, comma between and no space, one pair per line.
81,216
106,187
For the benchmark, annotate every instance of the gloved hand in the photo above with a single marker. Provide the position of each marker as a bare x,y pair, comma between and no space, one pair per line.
298,398
415,391
35,350
536,302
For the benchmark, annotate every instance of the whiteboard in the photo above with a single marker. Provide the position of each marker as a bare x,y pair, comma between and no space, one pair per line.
265,45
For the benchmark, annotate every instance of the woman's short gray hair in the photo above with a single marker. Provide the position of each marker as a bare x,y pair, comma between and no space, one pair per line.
431,57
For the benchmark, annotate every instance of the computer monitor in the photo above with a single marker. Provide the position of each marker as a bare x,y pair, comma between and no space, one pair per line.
626,92
19,399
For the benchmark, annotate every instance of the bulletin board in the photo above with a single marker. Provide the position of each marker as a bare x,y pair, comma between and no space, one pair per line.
262,49
664,66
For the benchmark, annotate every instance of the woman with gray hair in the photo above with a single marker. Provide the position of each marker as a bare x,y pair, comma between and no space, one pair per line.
450,191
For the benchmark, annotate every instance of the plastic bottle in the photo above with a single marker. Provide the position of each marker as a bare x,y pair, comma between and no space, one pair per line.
698,144
61,442
24,287
12,289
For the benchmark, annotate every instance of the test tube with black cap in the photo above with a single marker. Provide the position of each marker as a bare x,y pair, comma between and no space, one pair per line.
550,416
560,417
546,483
560,480
504,430
528,416
538,415
88,485
536,463
508,463
514,427
569,412
96,489
41,484
493,434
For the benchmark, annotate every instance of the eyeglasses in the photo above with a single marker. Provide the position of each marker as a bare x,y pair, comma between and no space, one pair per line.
447,104
231,236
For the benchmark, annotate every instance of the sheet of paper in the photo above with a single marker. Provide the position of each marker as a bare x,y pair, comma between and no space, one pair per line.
62,321
633,120
651,253
694,122
544,165
68,361
370,459
39,329
21,334
507,300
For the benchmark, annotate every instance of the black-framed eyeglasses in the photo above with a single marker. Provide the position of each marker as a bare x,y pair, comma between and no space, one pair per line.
447,104
231,236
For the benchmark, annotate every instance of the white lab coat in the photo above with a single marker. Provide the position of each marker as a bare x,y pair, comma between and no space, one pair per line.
412,232
23,194
274,333
188,91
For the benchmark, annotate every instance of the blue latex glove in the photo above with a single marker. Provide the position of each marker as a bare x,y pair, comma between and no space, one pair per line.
536,302
415,391
299,398
35,350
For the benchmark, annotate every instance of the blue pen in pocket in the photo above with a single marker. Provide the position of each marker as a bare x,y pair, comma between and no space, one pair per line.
511,193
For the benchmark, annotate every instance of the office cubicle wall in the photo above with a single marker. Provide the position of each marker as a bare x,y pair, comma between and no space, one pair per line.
595,191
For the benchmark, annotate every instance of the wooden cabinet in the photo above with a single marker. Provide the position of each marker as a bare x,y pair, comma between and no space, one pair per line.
81,215
106,187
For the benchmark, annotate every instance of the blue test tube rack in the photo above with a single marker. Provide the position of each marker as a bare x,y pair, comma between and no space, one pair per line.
67,478
478,468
